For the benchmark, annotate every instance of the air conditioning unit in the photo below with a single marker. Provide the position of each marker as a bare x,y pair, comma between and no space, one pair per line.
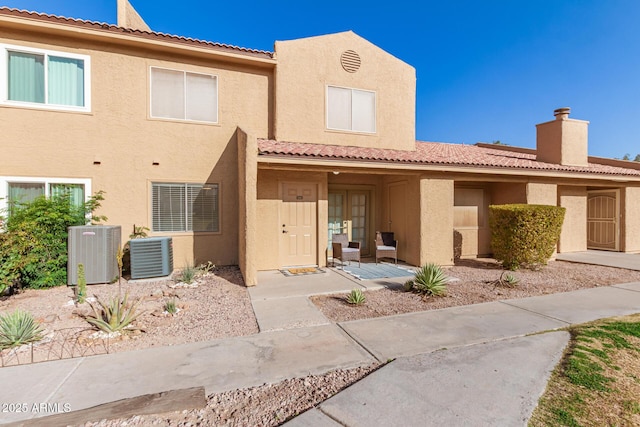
96,247
151,257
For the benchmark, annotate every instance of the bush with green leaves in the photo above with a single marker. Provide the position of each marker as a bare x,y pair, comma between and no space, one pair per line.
429,280
115,315
524,235
356,297
33,244
18,328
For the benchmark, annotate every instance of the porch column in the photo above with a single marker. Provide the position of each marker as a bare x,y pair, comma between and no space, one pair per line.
436,221
631,219
573,237
247,206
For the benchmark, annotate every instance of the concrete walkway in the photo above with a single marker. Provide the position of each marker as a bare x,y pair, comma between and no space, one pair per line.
606,258
472,365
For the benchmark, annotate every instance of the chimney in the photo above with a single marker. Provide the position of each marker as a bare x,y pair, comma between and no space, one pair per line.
562,141
129,18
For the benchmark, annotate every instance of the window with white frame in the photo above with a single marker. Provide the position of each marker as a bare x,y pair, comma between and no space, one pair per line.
351,109
185,207
42,78
18,190
184,95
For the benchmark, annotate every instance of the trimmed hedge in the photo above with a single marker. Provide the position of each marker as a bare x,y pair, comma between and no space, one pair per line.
524,235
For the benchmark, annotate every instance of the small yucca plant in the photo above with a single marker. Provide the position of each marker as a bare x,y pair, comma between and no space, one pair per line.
430,280
188,274
356,297
18,328
115,315
171,307
509,280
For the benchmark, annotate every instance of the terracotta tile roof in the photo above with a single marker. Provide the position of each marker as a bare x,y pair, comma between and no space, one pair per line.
432,153
138,33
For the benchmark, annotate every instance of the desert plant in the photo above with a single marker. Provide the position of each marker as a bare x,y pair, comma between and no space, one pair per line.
170,306
356,297
524,235
509,280
18,328
81,293
119,257
139,232
188,273
429,280
205,269
33,244
115,315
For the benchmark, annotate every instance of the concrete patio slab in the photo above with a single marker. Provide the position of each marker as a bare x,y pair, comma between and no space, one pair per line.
220,365
490,384
273,284
584,305
313,418
606,258
414,333
287,313
633,286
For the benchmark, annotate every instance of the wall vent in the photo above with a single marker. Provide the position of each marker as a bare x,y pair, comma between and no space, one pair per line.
96,247
350,61
151,257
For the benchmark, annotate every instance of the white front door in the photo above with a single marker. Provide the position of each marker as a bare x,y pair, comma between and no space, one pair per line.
298,224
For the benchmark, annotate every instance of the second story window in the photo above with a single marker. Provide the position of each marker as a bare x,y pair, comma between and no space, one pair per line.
33,78
351,109
184,95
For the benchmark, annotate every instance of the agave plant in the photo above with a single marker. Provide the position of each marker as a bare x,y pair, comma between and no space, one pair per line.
18,328
429,280
356,297
115,315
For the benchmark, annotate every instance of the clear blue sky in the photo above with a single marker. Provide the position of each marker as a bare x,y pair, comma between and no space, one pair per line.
487,70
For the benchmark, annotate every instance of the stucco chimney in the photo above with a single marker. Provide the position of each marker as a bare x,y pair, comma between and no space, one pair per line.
129,18
562,141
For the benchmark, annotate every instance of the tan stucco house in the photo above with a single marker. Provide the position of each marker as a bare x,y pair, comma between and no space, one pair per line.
255,158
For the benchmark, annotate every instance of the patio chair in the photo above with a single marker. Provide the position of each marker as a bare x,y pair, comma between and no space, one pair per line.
345,250
386,246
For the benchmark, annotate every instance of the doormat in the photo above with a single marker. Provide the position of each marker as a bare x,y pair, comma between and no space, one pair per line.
382,270
301,271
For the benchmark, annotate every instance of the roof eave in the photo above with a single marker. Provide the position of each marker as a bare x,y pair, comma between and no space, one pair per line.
280,159
134,39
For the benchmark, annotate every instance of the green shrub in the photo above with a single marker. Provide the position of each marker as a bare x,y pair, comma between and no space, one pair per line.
115,315
356,297
524,235
33,246
18,328
430,280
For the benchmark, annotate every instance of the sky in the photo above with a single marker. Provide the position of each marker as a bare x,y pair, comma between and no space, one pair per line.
486,70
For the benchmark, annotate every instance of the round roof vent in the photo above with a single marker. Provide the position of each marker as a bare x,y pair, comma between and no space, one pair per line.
350,61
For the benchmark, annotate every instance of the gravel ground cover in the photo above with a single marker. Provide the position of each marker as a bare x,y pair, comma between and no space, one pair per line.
220,307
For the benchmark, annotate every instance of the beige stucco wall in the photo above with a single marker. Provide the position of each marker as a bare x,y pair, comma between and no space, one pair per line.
503,193
574,229
436,221
631,219
542,193
563,142
119,134
247,207
305,68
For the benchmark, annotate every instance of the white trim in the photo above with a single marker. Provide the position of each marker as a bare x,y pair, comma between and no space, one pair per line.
184,72
46,181
4,78
375,112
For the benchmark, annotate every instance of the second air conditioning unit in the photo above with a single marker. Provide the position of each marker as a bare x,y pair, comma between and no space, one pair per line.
151,257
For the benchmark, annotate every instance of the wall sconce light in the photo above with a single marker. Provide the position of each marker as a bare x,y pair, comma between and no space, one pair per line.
336,172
